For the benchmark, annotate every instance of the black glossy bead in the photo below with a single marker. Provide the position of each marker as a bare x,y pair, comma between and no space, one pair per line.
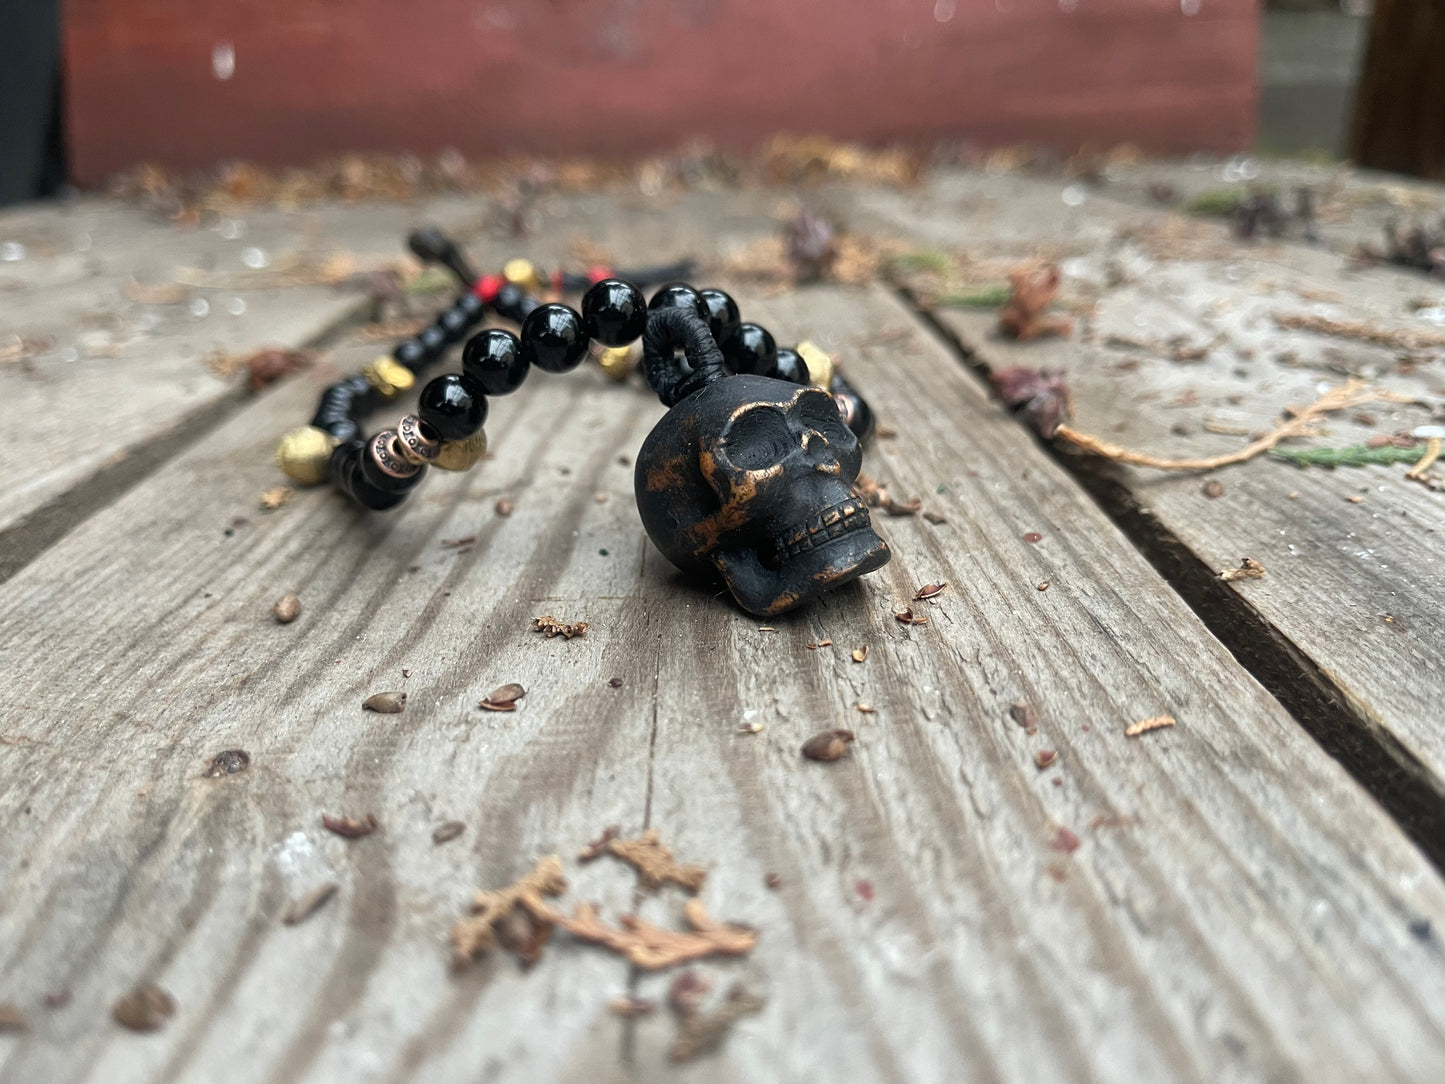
410,353
472,306
493,358
678,295
614,312
454,324
791,367
723,317
752,350
433,341
345,471
552,338
508,302
452,406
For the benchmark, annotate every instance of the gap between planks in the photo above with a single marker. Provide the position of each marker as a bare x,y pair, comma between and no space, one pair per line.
1390,772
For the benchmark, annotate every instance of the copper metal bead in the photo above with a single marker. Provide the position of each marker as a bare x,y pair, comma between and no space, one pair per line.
461,455
303,454
415,446
385,453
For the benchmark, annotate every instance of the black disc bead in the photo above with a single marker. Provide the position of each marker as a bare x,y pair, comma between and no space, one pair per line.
752,350
553,339
614,312
345,471
378,479
723,317
791,367
452,406
472,306
493,358
678,295
411,353
433,341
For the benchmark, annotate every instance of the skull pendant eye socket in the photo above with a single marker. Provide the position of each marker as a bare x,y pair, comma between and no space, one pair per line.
757,439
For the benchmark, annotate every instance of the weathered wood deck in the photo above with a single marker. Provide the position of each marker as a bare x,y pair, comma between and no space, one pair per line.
1256,892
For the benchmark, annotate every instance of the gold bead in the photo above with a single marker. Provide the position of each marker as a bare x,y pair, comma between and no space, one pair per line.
462,454
389,376
616,362
524,274
304,453
820,364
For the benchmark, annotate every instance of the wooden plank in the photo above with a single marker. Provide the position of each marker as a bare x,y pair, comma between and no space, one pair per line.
291,86
1241,908
1351,587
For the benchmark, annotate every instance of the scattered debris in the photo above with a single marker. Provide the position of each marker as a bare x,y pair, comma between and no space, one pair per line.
598,846
1416,245
1065,841
265,367
458,543
1351,393
766,628
1384,452
1040,396
477,933
504,507
1024,714
935,518
652,861
1213,490
447,831
275,497
812,249
1033,536
773,880
228,762
698,1032
1043,585
1143,726
827,744
929,590
653,948
503,697
309,902
866,708
1421,468
57,999
908,617
1249,569
1033,287
12,1019
550,627
616,682
349,827
631,1005
385,703
287,609
820,643
1359,331
860,653
1044,757
753,727
146,1007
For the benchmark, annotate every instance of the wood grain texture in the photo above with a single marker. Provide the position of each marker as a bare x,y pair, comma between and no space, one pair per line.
1354,581
614,77
1236,907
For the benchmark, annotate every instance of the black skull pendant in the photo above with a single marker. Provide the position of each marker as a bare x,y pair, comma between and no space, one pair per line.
749,478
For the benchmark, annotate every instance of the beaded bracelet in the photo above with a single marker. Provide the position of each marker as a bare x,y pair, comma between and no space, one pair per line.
759,439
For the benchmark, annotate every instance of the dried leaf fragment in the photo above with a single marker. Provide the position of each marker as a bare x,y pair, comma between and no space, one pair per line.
287,609
309,902
866,708
1064,841
227,762
827,744
652,947
1044,757
447,831
275,497
1143,726
699,1033
652,861
349,827
144,1008
1249,569
550,627
385,703
820,643
908,617
929,590
503,697
860,653
477,933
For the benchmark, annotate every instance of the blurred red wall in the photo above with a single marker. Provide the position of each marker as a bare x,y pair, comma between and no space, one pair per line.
154,80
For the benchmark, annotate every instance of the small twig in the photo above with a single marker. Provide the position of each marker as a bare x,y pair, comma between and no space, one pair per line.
1432,453
1352,393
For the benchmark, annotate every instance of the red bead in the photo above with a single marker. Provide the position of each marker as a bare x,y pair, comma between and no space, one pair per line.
488,286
